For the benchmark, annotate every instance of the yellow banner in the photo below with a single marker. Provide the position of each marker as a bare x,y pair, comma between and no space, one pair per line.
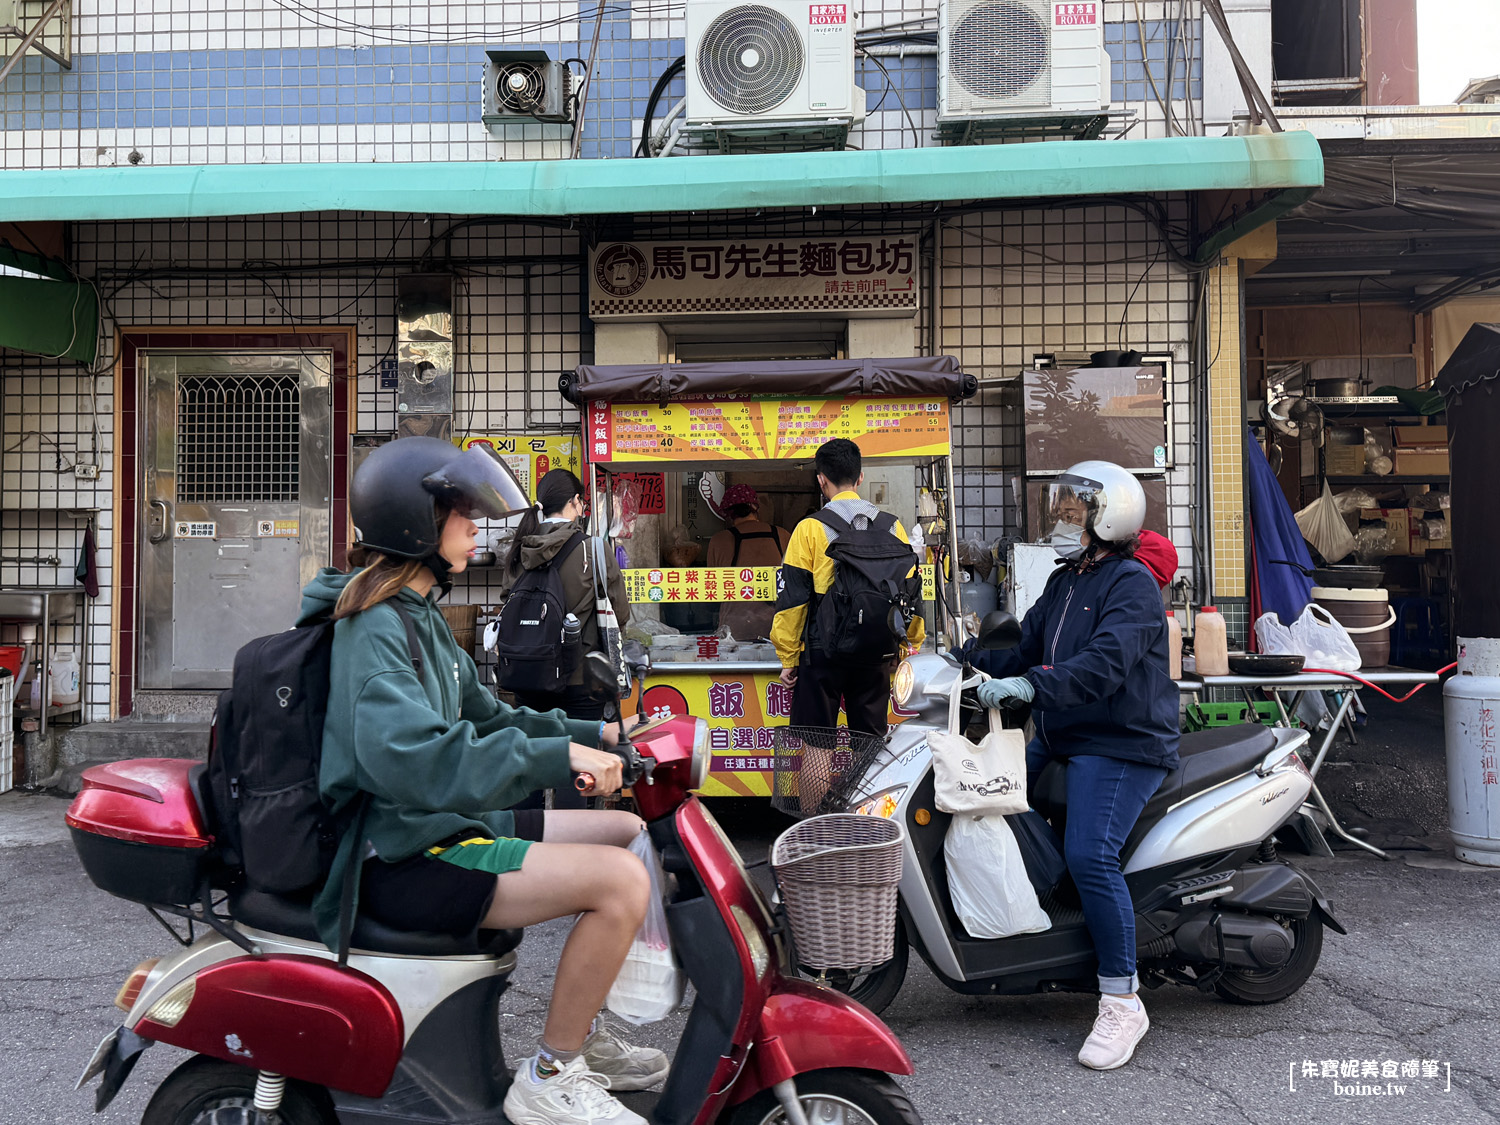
764,429
532,456
743,711
696,585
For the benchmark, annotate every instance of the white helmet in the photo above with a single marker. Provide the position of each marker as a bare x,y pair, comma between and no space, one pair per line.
1102,498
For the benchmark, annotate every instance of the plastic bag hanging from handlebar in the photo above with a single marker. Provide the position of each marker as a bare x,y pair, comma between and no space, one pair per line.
649,986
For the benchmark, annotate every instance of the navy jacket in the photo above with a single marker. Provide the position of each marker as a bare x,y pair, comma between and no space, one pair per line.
1095,649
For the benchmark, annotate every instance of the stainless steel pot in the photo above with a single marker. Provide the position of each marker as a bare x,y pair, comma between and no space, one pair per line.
1338,388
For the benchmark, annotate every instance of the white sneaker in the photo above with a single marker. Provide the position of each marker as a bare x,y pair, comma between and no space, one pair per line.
623,1067
1117,1029
573,1096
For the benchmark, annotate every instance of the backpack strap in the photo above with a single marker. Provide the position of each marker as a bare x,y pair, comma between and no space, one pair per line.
412,647
738,539
741,536
885,521
833,520
568,548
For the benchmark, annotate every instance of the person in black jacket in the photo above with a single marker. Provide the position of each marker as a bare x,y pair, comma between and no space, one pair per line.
1093,664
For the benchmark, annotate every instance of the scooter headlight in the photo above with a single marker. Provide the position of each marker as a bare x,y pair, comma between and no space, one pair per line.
903,683
883,805
700,754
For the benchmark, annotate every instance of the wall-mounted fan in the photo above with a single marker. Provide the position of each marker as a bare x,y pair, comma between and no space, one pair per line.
1290,417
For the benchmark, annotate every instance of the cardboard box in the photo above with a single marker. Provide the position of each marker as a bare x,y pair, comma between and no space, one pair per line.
1420,437
1435,530
1398,528
1426,463
1344,460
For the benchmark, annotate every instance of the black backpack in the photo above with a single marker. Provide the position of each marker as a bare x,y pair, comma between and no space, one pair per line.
265,747
532,654
870,577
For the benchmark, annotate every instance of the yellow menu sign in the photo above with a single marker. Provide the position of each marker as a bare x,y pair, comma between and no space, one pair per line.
702,584
764,429
532,456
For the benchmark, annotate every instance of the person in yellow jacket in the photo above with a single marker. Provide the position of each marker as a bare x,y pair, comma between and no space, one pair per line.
820,680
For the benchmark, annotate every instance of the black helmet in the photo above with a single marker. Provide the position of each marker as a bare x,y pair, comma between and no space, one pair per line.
394,496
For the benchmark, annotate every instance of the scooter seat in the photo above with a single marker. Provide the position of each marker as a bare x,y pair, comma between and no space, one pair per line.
1208,758
292,917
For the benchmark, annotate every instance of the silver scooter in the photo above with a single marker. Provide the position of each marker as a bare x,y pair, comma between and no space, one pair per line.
1215,905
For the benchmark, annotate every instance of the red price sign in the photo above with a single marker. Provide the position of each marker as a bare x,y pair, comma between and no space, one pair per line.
653,491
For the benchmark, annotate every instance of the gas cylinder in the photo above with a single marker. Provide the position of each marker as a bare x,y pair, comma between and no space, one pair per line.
1471,710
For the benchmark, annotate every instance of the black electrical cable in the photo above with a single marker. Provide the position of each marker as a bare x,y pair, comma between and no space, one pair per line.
642,147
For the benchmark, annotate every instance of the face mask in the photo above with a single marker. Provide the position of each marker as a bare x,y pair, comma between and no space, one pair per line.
1066,539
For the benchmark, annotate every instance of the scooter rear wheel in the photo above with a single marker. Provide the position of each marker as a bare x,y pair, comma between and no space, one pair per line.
876,988
835,1097
1249,986
205,1091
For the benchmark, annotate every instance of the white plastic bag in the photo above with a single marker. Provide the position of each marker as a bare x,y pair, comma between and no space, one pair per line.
1316,635
992,895
650,985
984,780
1323,525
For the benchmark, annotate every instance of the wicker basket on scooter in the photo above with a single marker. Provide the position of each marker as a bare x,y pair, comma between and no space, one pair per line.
838,876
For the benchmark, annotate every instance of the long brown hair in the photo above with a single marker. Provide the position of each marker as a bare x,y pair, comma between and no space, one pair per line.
382,577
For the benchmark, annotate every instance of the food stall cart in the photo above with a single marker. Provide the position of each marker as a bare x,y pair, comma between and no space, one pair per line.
702,427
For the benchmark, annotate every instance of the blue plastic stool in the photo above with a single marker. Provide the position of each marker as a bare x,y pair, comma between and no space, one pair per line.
1419,635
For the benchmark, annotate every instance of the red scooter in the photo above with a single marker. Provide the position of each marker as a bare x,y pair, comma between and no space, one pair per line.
408,1030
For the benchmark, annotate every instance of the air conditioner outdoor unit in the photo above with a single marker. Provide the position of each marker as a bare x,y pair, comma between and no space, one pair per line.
773,63
525,84
1021,59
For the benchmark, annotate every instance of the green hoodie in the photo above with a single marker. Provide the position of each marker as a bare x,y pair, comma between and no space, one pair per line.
439,755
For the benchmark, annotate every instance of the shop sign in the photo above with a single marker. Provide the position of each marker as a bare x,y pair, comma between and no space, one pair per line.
532,456
765,429
743,712
874,275
651,488
716,584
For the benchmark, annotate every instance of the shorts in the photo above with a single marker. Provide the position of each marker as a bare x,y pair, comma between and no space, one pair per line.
425,893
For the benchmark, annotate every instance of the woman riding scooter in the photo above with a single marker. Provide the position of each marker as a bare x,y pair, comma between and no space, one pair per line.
1092,662
438,754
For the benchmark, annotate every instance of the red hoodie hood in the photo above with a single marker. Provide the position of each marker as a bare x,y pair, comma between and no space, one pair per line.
1160,557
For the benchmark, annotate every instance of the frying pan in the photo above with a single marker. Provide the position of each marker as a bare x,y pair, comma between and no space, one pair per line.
1349,577
1262,664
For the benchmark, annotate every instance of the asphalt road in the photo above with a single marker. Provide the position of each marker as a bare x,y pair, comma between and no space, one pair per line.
1417,979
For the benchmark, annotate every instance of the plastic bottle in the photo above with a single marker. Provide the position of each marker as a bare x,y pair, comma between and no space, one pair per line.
1174,646
1210,643
36,685
65,677
572,630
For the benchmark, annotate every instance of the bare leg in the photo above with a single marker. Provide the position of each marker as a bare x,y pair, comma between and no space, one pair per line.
587,826
606,885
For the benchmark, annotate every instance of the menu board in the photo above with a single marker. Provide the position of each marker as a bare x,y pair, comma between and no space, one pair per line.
764,429
708,584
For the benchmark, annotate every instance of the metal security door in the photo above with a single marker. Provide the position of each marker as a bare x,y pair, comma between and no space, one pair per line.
235,504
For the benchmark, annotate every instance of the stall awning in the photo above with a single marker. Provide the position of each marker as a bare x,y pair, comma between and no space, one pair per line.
937,376
1288,163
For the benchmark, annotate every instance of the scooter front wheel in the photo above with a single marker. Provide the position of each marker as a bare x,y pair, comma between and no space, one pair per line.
874,988
205,1091
835,1097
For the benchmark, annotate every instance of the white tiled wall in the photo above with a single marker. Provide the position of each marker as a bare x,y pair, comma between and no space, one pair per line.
1013,284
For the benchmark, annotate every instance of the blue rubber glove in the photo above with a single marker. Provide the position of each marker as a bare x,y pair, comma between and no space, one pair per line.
1007,692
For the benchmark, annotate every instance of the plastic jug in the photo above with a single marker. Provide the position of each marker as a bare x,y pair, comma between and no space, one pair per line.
1210,643
65,678
1174,647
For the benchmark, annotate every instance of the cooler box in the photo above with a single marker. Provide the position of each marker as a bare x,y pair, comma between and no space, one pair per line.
140,834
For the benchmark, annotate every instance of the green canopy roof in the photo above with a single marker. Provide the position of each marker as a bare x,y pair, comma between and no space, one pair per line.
1290,161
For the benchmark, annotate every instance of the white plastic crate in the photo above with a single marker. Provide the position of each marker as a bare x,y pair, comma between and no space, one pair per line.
7,733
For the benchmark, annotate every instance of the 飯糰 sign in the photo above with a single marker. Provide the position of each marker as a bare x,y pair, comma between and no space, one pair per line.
870,275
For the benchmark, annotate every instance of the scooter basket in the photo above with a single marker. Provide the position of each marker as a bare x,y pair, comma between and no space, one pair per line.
839,877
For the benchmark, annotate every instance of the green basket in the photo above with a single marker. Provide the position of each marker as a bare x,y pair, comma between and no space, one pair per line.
1205,716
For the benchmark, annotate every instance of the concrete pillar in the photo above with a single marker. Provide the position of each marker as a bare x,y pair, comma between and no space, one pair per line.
635,342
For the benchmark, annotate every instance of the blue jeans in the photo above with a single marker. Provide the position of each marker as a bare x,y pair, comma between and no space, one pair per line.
1105,799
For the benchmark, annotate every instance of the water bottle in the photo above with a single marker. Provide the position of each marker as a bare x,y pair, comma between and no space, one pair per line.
572,631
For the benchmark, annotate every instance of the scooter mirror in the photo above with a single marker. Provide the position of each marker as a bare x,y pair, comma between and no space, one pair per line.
896,622
599,675
999,630
637,659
